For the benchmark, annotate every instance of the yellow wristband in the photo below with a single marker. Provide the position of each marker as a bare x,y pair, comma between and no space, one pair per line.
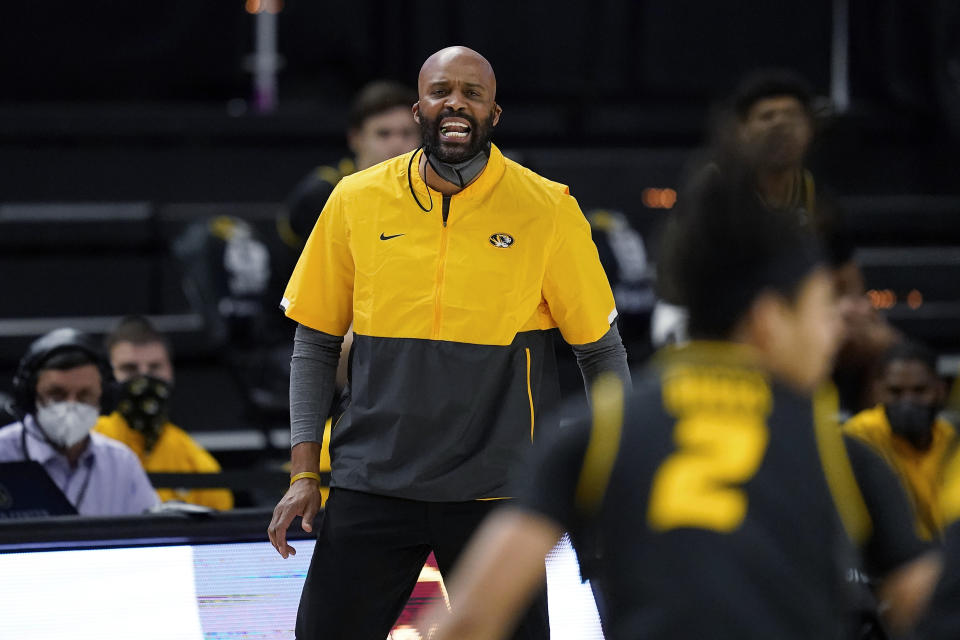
306,474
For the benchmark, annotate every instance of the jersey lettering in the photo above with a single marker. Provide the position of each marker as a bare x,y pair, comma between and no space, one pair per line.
721,436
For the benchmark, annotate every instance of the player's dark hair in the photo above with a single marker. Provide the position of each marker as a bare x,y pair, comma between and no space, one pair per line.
377,97
137,330
910,351
721,248
768,83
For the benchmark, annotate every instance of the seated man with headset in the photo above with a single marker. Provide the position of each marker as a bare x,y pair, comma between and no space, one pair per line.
59,391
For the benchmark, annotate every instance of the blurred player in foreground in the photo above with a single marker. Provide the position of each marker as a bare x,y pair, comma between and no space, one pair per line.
943,619
718,495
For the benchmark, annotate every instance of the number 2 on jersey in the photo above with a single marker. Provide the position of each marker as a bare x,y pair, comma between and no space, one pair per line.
700,484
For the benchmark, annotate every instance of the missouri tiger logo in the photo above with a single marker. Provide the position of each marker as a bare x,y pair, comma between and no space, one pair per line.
501,240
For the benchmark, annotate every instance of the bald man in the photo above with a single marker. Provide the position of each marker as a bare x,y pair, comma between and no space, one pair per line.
456,268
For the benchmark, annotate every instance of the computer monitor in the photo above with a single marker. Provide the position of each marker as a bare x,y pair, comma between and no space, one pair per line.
213,591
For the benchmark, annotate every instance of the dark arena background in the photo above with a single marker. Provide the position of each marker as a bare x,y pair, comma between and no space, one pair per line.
129,130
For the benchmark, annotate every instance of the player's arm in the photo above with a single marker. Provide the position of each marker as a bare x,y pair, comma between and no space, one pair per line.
496,577
504,564
942,620
905,593
906,567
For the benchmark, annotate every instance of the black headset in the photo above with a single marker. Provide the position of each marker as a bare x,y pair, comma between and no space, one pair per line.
40,350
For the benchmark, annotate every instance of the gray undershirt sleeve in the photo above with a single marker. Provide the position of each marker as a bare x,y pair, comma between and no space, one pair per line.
606,354
313,373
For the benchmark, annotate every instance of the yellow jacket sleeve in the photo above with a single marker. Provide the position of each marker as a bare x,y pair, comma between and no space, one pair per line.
575,286
320,291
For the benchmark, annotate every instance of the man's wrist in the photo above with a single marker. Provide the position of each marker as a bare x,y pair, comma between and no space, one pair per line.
305,456
305,474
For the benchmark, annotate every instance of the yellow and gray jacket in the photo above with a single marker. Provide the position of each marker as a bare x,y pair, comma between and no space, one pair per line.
453,312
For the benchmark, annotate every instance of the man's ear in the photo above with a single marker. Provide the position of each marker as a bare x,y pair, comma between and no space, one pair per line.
416,111
497,110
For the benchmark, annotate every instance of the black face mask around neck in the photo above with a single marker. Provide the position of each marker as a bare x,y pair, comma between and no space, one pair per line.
913,422
460,173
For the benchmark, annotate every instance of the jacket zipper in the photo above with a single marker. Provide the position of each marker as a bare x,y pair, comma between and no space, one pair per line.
530,393
441,269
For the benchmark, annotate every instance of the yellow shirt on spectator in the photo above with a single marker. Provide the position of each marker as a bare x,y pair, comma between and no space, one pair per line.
175,452
920,471
950,494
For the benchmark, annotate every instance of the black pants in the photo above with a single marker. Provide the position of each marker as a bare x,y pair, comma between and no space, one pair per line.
369,553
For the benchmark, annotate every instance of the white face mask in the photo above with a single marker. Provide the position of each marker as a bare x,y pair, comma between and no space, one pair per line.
67,423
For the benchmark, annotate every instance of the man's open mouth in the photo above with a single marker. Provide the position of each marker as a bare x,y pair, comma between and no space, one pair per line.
454,128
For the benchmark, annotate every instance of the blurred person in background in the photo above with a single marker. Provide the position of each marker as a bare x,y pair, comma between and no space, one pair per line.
379,127
457,266
906,429
774,130
624,258
718,493
234,272
225,265
59,386
140,358
768,123
867,337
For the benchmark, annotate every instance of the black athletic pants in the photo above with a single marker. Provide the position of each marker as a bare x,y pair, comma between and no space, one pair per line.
369,553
